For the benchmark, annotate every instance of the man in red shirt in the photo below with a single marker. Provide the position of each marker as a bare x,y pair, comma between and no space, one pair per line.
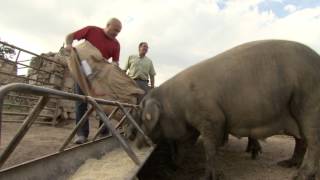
105,41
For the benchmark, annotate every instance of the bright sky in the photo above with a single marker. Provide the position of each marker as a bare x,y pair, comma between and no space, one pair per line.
179,32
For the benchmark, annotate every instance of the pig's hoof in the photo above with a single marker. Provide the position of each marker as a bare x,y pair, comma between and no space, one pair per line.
215,176
289,163
305,177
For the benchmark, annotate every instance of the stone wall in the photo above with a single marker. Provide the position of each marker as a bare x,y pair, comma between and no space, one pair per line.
43,73
59,78
66,107
13,102
9,67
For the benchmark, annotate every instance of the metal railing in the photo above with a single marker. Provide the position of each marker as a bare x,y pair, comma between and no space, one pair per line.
95,105
18,63
26,51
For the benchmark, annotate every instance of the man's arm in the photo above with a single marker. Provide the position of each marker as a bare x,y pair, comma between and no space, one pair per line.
115,63
116,55
152,73
80,34
69,40
152,81
127,65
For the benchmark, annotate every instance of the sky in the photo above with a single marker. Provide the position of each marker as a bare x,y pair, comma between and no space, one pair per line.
180,33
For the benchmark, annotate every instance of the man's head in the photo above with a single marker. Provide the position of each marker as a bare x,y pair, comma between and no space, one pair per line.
113,28
143,49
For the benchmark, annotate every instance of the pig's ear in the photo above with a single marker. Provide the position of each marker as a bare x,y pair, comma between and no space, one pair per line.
148,117
151,113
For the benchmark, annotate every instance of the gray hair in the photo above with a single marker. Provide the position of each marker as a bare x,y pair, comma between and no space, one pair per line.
113,20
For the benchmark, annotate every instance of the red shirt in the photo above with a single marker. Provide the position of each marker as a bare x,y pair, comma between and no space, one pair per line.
96,36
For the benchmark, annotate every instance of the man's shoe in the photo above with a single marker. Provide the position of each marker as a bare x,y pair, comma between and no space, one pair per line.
102,135
80,140
104,132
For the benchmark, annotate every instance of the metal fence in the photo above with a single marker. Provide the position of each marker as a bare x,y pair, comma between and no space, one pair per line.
44,95
20,65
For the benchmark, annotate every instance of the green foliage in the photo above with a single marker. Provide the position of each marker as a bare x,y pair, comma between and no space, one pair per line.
6,52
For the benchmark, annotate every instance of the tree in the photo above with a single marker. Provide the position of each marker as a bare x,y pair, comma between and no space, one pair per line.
6,52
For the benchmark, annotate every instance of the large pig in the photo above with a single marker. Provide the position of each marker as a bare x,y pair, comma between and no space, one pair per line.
256,90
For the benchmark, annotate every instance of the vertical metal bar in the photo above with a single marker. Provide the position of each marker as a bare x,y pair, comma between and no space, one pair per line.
55,116
135,124
107,122
101,127
23,129
83,119
18,56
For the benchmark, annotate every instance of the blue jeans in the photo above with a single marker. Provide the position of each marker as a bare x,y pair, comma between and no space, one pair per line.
81,108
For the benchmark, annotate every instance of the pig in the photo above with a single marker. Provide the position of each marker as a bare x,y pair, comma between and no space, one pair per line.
257,89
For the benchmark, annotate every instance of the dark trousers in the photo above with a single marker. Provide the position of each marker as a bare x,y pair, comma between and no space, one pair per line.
143,85
81,108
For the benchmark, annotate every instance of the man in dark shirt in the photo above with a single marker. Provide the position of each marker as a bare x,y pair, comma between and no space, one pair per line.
105,41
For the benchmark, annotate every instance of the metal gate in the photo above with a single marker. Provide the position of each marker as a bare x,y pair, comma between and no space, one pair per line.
61,164
22,66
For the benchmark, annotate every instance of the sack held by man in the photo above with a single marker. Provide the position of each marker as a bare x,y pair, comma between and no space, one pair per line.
103,80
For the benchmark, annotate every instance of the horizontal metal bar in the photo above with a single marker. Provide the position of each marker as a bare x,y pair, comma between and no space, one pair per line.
17,105
40,91
28,106
38,69
25,97
30,97
23,77
8,61
20,121
29,52
24,114
22,67
25,60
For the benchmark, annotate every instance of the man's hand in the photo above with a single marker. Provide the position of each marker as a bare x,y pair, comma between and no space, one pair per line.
115,63
69,40
68,48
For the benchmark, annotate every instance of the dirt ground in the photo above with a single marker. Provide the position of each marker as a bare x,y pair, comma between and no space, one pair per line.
232,159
